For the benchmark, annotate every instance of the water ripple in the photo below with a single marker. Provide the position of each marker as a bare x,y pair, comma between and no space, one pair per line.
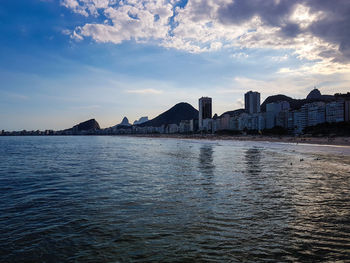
120,199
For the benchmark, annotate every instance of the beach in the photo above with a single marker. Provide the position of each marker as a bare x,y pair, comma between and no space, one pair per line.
341,141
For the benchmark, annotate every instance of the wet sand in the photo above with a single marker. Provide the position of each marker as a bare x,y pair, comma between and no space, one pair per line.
343,141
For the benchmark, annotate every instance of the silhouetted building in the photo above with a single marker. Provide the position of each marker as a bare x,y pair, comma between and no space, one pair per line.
316,113
205,110
347,110
207,125
335,111
252,102
185,126
276,114
172,128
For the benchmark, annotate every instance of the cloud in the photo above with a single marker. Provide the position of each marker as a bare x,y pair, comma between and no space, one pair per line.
87,7
66,32
128,20
144,91
316,30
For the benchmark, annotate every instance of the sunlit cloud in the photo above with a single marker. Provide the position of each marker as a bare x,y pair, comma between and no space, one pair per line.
208,25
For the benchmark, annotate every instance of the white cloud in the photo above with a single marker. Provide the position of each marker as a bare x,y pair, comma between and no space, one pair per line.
303,17
66,32
74,6
87,7
144,91
130,20
199,27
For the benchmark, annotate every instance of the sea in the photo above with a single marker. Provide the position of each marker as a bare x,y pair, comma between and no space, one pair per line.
132,199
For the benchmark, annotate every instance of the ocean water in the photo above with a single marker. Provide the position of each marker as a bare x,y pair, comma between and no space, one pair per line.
126,199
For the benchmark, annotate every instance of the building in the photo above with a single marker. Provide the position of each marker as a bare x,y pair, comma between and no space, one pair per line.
205,110
316,113
185,126
335,111
347,110
252,102
172,128
278,106
243,121
194,125
234,123
270,120
282,119
299,120
290,121
253,122
207,125
225,122
276,114
310,114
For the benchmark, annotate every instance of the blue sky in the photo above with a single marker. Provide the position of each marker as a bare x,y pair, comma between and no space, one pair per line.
63,62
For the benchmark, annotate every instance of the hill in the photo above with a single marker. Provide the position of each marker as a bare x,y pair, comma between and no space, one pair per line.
233,112
294,103
314,95
181,111
86,126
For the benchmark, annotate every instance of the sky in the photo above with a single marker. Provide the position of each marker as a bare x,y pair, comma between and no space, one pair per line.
66,61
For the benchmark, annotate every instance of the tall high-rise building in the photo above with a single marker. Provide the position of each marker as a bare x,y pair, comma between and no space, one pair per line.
204,111
252,102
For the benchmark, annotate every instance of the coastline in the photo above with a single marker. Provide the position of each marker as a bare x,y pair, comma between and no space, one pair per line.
331,141
334,141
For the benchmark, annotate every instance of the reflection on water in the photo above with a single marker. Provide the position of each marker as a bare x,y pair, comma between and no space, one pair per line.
119,199
321,226
253,157
206,160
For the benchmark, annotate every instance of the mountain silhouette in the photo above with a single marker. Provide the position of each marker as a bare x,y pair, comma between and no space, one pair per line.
141,120
91,124
233,112
181,111
125,122
314,95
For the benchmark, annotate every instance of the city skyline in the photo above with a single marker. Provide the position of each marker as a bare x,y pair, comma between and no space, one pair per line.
284,114
67,61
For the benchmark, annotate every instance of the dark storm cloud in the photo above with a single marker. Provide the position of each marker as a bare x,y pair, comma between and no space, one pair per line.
243,10
333,27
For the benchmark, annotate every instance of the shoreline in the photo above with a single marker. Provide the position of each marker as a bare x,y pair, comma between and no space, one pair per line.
332,141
